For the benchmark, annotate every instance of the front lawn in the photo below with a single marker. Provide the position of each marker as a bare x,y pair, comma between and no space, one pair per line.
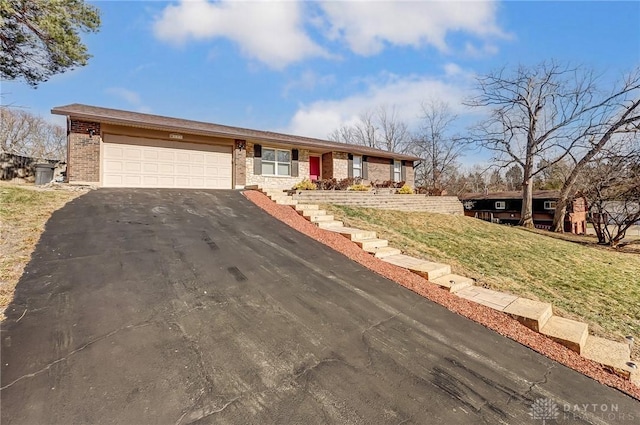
584,282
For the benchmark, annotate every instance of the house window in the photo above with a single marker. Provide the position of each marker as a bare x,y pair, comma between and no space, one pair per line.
501,205
276,162
397,170
549,205
357,166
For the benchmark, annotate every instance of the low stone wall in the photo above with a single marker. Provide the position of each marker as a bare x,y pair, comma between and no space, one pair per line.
383,200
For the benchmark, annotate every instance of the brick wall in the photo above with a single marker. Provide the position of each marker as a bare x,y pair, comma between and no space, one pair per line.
84,152
378,169
340,165
327,165
410,178
240,163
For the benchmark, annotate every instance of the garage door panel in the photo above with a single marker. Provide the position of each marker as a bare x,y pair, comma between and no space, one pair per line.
135,162
113,165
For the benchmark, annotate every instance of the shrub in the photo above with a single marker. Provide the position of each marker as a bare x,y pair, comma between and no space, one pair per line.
345,184
327,184
388,184
305,184
359,187
405,190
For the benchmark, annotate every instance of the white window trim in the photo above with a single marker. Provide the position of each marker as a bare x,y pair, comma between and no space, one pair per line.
397,173
501,205
275,162
357,170
548,205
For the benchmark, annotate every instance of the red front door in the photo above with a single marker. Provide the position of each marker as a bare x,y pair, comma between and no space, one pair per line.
314,168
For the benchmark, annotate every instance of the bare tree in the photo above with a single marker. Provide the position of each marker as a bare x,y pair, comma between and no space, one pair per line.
379,128
614,120
543,112
435,143
614,196
23,133
513,177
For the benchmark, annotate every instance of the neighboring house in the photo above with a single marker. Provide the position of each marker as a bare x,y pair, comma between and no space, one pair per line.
506,207
615,212
115,148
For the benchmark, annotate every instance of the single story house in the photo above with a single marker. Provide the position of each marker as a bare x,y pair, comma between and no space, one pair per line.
116,148
506,207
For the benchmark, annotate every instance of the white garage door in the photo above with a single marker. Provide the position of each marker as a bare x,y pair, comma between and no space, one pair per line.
138,162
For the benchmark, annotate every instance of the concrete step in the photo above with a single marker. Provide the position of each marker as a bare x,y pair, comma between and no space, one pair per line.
283,201
311,213
532,314
421,267
354,234
570,333
367,244
452,282
330,225
487,297
308,207
615,356
319,218
383,251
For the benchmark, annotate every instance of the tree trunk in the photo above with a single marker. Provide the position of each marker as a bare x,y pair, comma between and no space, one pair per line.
526,219
561,207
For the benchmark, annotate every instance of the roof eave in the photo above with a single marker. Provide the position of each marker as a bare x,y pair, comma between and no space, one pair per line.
229,134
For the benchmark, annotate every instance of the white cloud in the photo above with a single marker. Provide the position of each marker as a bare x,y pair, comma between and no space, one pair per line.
129,96
270,31
276,32
320,118
366,26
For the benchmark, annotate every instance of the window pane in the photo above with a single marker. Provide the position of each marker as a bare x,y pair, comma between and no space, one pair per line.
284,156
268,155
283,169
357,160
396,166
268,167
396,176
356,172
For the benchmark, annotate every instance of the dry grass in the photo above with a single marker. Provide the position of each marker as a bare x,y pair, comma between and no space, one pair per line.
582,281
24,210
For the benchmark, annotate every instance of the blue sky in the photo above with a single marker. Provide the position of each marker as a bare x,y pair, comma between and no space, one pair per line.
308,67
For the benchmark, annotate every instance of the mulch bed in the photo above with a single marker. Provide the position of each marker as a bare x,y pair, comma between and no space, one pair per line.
492,319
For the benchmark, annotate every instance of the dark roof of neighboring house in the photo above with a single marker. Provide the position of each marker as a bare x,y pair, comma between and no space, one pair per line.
537,194
157,122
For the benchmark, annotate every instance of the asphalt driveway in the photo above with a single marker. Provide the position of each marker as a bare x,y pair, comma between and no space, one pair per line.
178,307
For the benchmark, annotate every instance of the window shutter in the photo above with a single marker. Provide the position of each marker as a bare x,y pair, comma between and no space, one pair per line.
350,167
365,168
294,163
392,178
403,172
257,160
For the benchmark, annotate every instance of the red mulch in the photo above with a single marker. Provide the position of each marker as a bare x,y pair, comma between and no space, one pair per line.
492,319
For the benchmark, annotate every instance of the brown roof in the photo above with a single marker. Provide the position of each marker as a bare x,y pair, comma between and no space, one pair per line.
537,194
157,122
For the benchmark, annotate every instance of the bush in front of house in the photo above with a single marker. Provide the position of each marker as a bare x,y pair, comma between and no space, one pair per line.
359,187
388,184
405,190
333,184
326,184
305,184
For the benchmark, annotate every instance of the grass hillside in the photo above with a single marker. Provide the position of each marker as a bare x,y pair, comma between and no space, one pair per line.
583,282
24,210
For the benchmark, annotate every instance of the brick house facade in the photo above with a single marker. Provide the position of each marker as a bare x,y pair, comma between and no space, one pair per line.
116,148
